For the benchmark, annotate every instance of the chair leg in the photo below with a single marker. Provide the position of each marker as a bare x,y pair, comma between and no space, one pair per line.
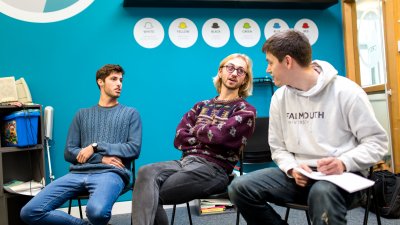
371,195
69,206
173,215
287,214
189,213
80,208
237,217
308,218
377,212
367,206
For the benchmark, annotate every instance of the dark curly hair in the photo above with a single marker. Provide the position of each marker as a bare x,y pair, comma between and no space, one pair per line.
108,69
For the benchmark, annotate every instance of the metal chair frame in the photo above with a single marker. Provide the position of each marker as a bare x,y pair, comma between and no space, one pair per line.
214,196
370,196
256,151
85,196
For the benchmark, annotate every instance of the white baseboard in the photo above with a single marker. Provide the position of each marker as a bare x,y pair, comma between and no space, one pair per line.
118,208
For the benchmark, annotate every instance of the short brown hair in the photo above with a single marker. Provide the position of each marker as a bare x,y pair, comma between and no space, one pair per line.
290,42
106,70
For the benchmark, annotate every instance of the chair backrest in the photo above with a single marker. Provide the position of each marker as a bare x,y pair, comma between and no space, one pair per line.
133,174
257,149
130,187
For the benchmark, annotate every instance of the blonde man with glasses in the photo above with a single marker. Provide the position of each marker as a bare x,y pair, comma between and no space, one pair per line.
209,135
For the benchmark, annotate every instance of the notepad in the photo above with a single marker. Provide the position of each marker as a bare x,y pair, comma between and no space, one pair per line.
348,181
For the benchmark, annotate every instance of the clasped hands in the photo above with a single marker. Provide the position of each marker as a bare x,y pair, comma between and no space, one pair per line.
88,151
328,166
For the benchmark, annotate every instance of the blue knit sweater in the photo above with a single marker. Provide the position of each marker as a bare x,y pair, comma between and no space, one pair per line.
118,132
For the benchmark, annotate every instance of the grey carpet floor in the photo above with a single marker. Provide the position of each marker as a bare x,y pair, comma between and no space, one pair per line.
354,217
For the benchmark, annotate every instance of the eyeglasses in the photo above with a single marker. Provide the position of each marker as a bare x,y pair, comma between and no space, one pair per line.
231,68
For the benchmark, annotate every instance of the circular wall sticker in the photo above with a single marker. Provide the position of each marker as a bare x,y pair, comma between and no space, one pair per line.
183,32
215,32
309,28
247,32
148,33
273,26
42,11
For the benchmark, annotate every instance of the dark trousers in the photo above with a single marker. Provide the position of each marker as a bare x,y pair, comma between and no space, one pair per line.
173,182
328,204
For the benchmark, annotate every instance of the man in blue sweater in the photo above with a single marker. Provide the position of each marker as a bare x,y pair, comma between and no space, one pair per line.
101,144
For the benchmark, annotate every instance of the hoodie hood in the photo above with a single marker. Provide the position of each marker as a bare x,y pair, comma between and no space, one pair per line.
327,73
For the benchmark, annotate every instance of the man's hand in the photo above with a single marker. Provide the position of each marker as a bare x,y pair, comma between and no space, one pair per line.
112,160
300,179
85,154
330,166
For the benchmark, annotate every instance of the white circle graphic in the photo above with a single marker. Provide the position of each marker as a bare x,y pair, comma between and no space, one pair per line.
29,11
148,33
309,28
183,32
273,26
247,32
215,32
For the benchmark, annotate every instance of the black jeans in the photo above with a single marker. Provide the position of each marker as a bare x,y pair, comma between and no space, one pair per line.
173,182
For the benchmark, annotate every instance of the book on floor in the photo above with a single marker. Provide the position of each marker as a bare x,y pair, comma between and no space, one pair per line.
214,206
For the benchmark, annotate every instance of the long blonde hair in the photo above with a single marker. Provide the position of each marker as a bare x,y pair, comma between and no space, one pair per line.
246,89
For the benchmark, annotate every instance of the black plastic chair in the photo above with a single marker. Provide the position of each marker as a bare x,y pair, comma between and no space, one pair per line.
289,206
370,196
188,211
85,196
257,149
222,195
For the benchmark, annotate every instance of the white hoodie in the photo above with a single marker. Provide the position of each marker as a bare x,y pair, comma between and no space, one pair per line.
334,118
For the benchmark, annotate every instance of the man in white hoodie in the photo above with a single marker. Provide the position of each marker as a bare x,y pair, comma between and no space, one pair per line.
318,121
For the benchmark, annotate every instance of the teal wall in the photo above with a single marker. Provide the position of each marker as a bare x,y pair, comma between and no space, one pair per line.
59,60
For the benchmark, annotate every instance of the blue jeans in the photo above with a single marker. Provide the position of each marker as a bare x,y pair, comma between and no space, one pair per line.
173,182
252,192
104,189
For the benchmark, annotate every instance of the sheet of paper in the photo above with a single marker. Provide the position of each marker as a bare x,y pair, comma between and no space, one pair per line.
348,181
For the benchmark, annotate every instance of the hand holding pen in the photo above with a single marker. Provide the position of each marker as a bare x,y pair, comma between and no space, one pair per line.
330,166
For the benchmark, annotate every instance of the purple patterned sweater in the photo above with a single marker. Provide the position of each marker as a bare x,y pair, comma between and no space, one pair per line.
215,130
